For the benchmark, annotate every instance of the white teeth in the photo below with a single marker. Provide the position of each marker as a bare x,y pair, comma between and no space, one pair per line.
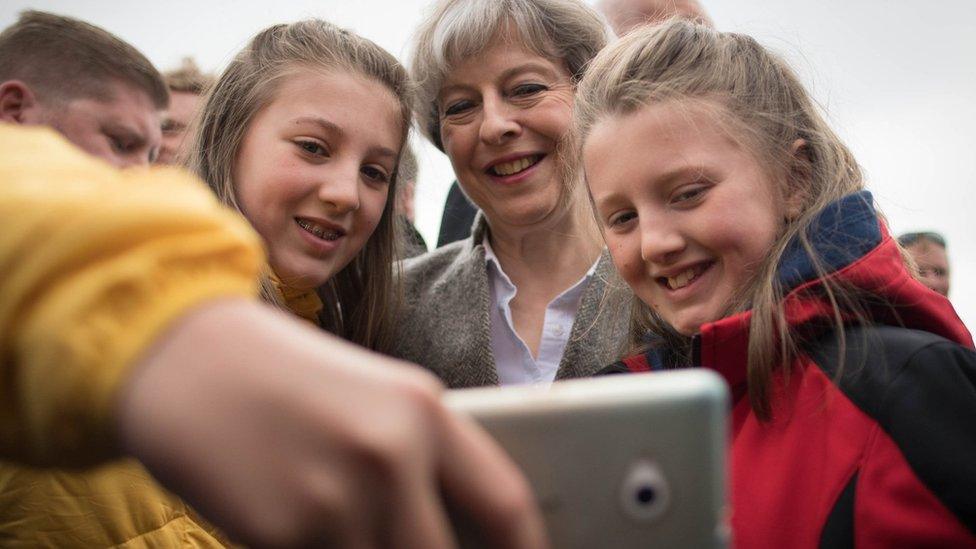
682,280
515,166
318,230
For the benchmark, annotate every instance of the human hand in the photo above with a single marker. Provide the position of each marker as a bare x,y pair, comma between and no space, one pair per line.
284,436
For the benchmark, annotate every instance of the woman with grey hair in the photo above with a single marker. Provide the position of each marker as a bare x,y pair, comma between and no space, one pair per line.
531,296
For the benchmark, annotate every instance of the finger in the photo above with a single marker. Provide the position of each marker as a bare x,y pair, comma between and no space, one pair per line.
419,520
483,483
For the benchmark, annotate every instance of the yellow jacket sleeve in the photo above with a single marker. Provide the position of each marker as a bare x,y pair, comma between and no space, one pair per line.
94,264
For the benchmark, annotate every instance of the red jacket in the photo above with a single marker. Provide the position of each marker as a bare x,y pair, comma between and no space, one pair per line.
882,456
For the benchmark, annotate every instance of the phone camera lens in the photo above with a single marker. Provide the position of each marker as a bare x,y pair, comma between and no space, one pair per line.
645,494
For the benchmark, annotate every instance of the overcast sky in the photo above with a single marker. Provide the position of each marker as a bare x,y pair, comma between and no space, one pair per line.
897,80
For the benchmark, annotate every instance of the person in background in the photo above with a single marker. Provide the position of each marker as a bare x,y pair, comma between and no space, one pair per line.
96,90
458,217
111,110
414,243
187,85
928,249
625,15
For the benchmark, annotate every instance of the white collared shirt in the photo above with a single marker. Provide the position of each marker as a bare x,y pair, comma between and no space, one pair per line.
513,361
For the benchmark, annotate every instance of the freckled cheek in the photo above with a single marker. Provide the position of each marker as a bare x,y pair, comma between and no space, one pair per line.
742,249
284,198
270,205
629,265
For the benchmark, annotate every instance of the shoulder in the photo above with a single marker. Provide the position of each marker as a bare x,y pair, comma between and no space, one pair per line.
442,286
458,260
921,391
885,369
874,360
444,290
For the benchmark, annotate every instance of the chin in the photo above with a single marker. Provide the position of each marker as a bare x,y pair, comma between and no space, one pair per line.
304,278
534,216
687,326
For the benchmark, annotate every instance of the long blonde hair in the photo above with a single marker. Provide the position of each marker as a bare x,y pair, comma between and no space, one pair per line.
765,104
361,299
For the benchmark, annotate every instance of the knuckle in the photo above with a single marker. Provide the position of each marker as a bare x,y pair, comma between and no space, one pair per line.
424,397
324,513
422,383
388,448
419,399
513,500
381,453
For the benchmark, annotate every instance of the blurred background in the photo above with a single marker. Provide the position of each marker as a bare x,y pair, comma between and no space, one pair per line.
897,80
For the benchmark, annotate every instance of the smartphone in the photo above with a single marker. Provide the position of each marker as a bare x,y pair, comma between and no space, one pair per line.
620,461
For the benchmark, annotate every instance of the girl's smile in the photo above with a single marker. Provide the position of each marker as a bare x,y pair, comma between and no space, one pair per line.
321,235
686,210
685,278
314,170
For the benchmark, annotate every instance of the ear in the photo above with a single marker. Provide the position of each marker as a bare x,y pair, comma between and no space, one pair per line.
17,102
798,191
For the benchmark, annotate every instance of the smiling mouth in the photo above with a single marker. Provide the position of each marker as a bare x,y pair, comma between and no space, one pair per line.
685,277
505,169
319,231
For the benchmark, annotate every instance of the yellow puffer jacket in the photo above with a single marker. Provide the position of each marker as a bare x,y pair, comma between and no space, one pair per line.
96,262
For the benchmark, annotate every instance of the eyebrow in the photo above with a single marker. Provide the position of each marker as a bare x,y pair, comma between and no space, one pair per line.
170,124
607,199
679,172
331,127
528,66
136,136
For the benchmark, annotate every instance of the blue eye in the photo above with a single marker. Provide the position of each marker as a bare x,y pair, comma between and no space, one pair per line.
375,174
621,219
311,147
689,194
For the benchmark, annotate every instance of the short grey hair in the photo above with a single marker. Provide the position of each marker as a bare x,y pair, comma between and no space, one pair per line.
567,31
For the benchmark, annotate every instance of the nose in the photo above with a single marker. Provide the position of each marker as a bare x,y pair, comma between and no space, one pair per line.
661,240
340,190
499,123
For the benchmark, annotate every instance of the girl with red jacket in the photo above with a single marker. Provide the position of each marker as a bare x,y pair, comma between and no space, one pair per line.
741,222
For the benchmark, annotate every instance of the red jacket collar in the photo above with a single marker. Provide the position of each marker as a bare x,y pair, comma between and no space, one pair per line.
900,300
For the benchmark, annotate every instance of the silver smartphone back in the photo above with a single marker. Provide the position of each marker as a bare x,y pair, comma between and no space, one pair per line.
622,461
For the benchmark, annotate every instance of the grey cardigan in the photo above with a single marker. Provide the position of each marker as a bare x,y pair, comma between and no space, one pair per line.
445,323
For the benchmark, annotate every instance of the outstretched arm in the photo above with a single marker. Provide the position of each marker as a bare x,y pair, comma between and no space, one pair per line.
126,326
282,435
